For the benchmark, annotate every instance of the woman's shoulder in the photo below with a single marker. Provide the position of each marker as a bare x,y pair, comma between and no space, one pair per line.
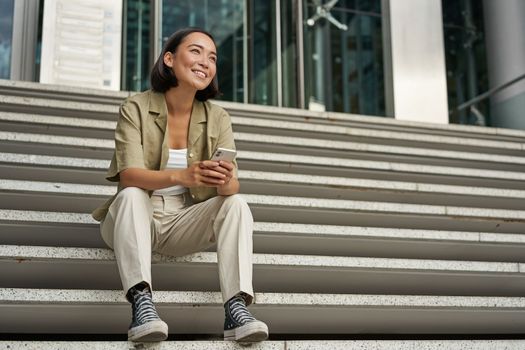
214,110
139,98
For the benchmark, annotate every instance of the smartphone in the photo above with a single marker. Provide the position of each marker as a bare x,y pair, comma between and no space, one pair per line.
224,154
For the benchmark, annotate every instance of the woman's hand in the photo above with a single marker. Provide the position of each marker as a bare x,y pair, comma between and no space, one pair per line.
206,173
230,183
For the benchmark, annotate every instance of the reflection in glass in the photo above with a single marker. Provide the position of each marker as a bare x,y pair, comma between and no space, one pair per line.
136,67
344,68
6,34
289,54
465,56
263,69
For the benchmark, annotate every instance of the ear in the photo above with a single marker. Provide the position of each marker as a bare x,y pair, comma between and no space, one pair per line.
168,59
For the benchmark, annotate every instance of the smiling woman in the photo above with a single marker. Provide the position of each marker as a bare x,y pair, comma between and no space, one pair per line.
172,198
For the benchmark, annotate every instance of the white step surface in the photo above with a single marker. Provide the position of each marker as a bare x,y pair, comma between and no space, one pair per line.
503,344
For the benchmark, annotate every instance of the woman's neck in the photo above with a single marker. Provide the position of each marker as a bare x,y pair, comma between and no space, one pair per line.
179,101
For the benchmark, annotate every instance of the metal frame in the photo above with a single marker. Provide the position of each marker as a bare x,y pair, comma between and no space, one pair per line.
25,32
278,52
245,65
300,53
156,34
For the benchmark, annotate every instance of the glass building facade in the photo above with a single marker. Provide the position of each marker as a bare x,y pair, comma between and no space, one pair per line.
322,55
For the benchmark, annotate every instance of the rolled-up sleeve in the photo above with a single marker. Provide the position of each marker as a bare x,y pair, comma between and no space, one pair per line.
226,137
128,142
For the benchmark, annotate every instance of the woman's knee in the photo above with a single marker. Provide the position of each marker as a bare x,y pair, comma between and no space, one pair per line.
237,203
235,200
132,193
131,198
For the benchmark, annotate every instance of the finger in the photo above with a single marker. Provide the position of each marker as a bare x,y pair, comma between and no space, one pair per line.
211,181
212,173
209,164
221,170
227,165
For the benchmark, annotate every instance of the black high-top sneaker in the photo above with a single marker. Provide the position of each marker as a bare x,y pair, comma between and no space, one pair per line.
240,325
146,325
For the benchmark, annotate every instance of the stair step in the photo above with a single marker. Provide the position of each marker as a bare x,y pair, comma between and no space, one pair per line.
22,227
331,181
496,344
31,266
104,312
57,188
263,158
37,105
92,171
306,146
26,91
289,128
54,196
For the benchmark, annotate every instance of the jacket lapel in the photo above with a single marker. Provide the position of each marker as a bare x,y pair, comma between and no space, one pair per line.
197,123
159,111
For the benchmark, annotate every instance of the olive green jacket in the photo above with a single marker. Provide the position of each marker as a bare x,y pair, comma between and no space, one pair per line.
141,139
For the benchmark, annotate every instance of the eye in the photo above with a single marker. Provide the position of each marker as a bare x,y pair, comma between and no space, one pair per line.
213,59
195,51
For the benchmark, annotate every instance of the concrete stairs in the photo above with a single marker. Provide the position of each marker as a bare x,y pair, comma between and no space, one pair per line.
370,233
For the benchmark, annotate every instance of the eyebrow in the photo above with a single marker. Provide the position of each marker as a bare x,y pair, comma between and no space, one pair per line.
202,47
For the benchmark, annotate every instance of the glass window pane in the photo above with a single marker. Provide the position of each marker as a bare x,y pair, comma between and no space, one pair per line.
263,74
465,56
289,54
6,37
137,63
344,57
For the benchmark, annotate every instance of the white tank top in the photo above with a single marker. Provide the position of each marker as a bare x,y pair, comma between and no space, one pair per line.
176,160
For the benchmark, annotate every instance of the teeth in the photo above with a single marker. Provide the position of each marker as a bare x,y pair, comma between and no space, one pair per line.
201,74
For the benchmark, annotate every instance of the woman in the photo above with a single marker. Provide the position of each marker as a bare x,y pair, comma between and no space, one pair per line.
171,198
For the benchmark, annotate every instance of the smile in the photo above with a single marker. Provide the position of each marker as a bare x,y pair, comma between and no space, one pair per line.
200,74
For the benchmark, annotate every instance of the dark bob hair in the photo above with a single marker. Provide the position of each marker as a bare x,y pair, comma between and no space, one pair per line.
162,77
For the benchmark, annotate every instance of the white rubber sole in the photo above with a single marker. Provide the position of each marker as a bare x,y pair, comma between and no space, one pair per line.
251,332
149,332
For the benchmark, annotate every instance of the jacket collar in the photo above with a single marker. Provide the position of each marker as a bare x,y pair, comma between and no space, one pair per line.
157,106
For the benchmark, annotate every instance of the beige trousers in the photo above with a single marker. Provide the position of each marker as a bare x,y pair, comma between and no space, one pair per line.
136,225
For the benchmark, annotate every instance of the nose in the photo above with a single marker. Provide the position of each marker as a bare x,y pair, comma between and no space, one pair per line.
203,62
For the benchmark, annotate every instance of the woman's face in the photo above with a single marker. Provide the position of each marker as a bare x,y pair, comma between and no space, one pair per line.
194,61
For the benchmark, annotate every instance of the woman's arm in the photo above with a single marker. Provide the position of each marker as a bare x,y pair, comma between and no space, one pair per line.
207,173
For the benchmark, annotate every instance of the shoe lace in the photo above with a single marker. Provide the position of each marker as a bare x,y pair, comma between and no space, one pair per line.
143,307
238,311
